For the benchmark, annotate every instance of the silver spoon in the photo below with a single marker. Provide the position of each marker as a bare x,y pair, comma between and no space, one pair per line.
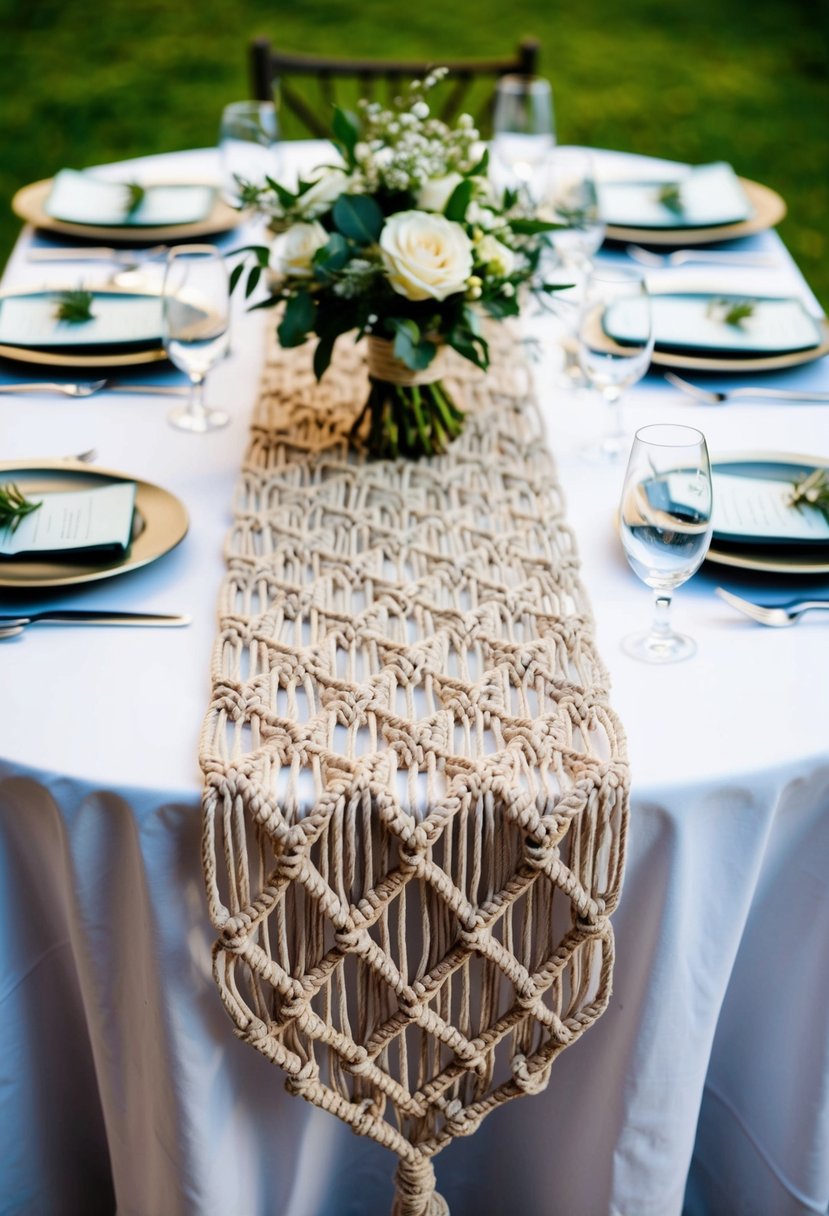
712,397
778,616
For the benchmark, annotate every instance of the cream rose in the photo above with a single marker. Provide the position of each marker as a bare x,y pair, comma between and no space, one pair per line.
327,187
436,192
427,256
293,251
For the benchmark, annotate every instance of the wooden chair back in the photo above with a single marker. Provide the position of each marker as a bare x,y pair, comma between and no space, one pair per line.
308,86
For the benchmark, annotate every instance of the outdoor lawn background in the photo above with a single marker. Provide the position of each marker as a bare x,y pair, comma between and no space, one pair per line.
695,80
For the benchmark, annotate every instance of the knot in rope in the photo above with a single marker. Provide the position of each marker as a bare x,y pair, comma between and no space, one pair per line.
416,1194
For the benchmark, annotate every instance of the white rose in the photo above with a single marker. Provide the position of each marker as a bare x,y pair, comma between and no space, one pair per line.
490,252
293,251
436,192
427,256
328,185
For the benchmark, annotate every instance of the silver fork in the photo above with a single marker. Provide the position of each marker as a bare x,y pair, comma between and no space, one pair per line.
86,388
779,616
727,257
100,253
712,397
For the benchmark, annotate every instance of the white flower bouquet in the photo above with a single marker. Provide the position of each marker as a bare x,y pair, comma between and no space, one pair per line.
404,242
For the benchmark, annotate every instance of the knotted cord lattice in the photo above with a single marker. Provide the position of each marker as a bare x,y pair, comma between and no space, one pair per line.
415,799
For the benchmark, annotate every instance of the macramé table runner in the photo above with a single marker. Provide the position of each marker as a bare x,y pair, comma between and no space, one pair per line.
415,801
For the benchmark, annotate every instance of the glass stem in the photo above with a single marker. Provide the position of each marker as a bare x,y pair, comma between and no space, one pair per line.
615,430
661,624
195,406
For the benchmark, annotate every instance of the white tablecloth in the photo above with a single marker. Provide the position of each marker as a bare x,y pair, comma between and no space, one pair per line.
704,1088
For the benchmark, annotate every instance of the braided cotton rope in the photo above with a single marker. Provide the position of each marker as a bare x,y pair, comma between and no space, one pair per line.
415,801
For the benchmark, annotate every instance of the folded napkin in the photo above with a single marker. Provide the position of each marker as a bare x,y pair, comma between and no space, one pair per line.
692,198
753,509
82,198
120,321
719,324
74,521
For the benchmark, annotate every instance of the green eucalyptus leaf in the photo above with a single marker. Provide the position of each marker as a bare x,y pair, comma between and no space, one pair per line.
253,281
528,227
358,217
482,167
298,320
410,346
346,128
459,200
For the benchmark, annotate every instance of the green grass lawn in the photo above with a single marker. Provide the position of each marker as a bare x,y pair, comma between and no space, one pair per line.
693,81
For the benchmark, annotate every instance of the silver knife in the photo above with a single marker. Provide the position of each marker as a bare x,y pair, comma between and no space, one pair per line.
76,616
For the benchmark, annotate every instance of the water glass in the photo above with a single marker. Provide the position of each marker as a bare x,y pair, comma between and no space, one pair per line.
196,327
523,132
665,522
248,147
572,200
615,343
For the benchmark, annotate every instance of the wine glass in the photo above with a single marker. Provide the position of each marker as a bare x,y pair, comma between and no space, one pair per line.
665,521
523,132
572,199
195,326
248,147
615,340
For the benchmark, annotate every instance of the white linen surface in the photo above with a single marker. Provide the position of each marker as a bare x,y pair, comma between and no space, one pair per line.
121,1082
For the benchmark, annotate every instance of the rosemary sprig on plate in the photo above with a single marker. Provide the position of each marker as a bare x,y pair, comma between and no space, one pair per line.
135,197
730,312
14,506
74,306
670,196
812,490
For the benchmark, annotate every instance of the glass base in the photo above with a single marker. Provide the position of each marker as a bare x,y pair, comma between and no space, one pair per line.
659,648
609,450
207,420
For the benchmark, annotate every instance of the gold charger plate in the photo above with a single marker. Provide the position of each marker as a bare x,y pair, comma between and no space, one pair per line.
797,559
159,524
55,358
769,210
687,361
757,363
29,204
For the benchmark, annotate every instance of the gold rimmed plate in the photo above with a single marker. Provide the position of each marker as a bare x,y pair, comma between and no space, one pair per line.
704,361
69,357
160,523
29,203
799,559
768,209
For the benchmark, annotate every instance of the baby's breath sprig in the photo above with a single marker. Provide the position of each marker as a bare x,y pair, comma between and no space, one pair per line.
14,507
812,491
74,307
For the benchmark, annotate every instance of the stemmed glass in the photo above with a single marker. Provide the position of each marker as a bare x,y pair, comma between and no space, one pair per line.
523,131
665,522
615,344
573,201
195,326
248,147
